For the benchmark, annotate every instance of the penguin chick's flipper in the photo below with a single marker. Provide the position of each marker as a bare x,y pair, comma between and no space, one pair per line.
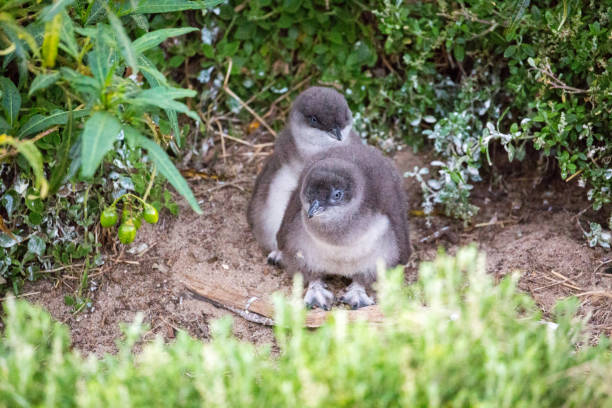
275,258
356,296
317,295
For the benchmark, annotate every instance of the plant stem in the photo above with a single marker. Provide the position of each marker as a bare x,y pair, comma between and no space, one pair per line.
146,194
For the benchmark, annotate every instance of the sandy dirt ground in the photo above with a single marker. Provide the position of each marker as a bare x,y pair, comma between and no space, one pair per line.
525,225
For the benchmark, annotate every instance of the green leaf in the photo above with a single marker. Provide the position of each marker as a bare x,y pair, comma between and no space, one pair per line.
11,100
67,39
163,97
150,72
11,202
459,52
164,165
172,117
39,123
7,241
127,49
100,131
50,11
153,39
43,81
103,59
164,6
60,172
167,92
80,82
36,245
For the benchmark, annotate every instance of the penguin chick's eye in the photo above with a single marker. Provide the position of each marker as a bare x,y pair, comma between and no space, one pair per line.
313,119
336,195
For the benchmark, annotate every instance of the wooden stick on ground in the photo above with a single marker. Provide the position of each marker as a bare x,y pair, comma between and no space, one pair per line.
258,309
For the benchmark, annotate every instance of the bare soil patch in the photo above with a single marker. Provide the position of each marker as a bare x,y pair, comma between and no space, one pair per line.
523,226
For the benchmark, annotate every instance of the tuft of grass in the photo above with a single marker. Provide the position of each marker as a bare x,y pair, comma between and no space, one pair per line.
452,339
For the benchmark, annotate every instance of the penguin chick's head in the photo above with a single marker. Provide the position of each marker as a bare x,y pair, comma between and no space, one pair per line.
321,112
331,191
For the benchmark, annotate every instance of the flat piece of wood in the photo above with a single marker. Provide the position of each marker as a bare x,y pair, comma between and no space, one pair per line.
258,309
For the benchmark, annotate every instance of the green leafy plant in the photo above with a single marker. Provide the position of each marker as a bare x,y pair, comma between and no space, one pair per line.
540,72
77,90
454,338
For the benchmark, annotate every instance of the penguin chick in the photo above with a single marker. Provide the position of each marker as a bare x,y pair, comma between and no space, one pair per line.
348,212
320,118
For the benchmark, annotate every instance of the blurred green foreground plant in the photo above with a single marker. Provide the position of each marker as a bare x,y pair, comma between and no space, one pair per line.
452,339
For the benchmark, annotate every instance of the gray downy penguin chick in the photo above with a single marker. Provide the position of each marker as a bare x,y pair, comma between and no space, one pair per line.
348,212
320,118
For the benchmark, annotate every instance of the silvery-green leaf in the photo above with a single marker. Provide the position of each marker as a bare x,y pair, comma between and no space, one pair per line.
36,245
435,184
6,241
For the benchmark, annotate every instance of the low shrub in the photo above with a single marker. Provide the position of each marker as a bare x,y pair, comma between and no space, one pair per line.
454,338
77,90
459,77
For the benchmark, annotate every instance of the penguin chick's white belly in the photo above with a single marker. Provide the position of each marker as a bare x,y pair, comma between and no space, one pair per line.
284,182
361,255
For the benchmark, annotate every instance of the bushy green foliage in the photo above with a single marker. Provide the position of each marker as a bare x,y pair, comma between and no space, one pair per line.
77,87
452,339
534,74
459,76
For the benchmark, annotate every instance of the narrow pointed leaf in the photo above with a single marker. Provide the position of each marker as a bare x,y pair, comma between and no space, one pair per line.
43,81
167,104
52,10
172,117
11,100
165,166
38,123
167,93
59,171
128,51
68,41
163,97
162,6
100,131
154,38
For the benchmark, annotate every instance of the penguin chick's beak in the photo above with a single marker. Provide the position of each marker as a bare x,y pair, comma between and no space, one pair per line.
314,209
337,133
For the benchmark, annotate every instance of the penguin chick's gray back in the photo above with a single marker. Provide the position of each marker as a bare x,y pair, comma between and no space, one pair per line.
319,119
349,235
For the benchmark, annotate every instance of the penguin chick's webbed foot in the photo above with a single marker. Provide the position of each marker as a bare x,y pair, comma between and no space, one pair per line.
275,258
317,295
356,296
